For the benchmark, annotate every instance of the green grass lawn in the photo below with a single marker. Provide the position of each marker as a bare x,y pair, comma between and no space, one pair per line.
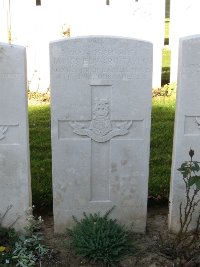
163,111
160,159
40,150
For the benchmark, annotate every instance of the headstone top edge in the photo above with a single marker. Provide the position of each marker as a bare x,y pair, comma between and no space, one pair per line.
190,38
2,44
106,37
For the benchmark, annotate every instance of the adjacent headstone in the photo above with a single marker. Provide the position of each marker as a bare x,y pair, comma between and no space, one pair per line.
15,192
187,131
101,109
184,21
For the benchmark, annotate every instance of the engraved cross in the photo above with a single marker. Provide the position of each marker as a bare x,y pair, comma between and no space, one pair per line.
101,129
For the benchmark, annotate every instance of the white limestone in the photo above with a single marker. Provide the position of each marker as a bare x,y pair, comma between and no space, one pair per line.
14,150
187,132
101,106
184,21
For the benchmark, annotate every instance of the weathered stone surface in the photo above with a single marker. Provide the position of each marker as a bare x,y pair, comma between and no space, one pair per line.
184,21
187,131
14,150
101,106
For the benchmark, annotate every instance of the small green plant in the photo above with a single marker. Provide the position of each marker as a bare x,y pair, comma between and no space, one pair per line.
184,246
100,239
8,237
29,249
23,250
189,170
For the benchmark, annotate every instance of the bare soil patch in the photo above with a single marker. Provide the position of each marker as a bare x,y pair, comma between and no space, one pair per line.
148,254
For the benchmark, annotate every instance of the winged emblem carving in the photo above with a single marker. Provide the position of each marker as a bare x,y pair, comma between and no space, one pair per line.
101,128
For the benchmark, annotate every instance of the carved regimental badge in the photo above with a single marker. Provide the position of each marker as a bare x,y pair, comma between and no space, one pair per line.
101,128
3,130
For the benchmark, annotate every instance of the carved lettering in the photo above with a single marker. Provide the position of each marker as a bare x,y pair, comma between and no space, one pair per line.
104,62
10,75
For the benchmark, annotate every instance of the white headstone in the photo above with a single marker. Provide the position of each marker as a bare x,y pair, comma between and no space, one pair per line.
101,106
15,186
187,132
184,21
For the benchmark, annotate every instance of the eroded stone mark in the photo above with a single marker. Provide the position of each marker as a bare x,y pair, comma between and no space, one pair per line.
197,120
9,134
3,130
192,125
